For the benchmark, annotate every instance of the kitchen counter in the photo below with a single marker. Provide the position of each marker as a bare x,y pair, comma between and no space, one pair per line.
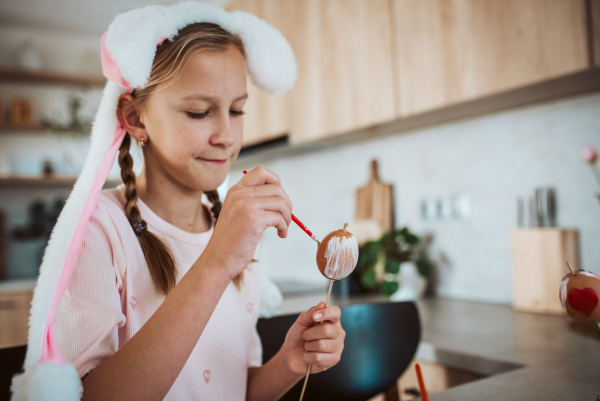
548,360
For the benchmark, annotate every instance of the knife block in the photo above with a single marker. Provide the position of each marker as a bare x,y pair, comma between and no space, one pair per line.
539,257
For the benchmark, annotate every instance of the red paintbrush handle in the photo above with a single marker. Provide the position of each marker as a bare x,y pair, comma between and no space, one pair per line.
424,396
304,228
300,224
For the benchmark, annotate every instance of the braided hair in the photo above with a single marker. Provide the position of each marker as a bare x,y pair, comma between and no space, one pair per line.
170,57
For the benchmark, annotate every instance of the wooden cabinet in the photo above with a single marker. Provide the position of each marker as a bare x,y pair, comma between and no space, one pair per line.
362,63
446,52
267,116
343,51
14,315
594,21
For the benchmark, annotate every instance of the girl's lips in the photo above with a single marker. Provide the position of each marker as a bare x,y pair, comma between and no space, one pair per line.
215,161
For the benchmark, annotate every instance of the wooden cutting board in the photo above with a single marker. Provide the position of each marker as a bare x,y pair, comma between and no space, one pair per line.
374,201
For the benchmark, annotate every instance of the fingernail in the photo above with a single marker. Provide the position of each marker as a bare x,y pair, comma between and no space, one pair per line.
318,315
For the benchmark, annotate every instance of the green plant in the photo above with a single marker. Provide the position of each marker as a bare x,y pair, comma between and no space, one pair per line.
379,261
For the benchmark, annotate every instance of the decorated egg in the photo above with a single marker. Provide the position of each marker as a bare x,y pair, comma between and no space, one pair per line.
579,295
337,255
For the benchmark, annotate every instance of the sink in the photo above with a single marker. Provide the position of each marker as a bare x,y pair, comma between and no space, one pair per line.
443,369
475,364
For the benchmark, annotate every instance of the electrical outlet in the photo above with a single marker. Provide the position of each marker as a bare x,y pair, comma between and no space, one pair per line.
449,207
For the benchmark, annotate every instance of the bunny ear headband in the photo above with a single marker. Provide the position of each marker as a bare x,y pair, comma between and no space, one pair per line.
127,53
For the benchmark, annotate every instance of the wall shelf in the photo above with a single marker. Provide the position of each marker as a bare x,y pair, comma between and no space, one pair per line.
56,181
36,129
50,78
8,129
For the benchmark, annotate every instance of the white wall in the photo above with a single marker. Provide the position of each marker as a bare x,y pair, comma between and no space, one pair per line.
494,159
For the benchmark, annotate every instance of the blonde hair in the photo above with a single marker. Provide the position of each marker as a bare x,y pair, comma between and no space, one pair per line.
171,57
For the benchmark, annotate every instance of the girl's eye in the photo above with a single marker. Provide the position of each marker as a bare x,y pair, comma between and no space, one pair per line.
236,112
197,115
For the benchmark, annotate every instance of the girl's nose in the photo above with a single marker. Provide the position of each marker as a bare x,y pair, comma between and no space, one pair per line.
222,135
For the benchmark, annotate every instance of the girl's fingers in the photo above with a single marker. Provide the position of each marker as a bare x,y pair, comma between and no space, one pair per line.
322,360
331,314
269,190
324,346
324,331
274,204
306,318
275,219
260,176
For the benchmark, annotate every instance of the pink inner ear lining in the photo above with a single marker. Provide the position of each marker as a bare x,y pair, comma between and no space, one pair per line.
110,68
50,347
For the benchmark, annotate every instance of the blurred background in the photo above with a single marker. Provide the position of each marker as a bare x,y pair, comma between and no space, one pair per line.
456,137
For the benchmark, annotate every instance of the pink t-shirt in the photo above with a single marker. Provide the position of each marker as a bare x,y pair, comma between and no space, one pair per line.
111,296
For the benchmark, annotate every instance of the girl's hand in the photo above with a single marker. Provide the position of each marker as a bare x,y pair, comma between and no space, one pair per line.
308,341
255,203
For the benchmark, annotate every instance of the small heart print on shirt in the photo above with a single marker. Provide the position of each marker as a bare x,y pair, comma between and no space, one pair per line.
206,375
249,307
133,302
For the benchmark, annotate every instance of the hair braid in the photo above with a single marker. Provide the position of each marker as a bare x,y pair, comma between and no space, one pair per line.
158,256
169,60
213,197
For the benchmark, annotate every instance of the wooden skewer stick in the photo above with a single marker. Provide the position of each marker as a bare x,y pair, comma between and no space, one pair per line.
570,268
310,365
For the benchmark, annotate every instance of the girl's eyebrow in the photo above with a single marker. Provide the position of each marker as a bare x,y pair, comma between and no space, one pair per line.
197,96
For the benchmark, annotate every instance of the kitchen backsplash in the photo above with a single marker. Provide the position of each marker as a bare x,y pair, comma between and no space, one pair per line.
493,159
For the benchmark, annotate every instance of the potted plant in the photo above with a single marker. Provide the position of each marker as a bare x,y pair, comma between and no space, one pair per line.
380,262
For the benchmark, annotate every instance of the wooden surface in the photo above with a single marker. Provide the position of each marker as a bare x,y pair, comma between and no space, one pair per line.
344,66
446,52
48,77
267,116
3,254
539,257
374,201
14,314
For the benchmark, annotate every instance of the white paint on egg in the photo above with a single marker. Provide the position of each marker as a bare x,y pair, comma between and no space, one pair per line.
342,256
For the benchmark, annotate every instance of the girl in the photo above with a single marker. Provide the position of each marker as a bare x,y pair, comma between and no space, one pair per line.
163,298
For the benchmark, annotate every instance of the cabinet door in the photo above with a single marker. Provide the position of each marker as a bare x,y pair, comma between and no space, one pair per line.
343,51
450,51
14,315
267,116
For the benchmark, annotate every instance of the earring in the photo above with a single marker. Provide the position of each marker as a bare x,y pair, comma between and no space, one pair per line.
142,142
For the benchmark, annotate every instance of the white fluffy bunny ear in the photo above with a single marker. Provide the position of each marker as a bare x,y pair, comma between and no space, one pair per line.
270,58
129,45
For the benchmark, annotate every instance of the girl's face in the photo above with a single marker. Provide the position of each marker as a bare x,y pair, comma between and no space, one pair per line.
194,124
